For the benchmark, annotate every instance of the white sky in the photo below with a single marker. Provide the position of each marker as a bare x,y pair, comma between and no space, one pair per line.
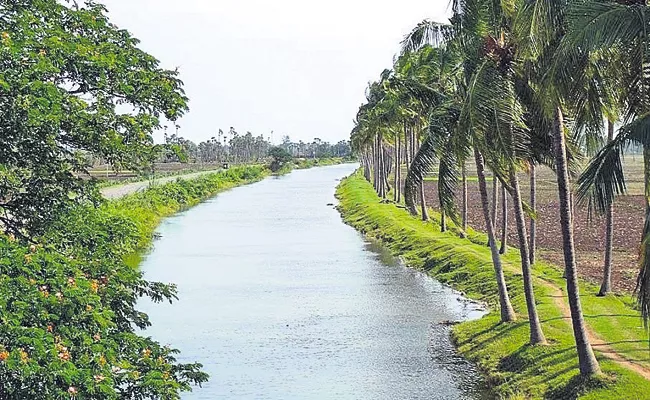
297,67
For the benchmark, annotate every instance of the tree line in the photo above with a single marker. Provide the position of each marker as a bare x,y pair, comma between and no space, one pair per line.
248,148
510,86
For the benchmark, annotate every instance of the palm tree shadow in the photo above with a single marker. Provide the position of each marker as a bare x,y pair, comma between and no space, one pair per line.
501,332
575,387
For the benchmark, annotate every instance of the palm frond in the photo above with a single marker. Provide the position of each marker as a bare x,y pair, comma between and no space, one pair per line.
603,179
425,33
448,178
423,162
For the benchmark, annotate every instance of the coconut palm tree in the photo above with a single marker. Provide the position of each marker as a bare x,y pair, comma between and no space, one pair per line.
489,114
544,24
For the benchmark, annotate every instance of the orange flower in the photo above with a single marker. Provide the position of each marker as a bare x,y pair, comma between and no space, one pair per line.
146,353
50,328
4,355
94,285
23,356
64,354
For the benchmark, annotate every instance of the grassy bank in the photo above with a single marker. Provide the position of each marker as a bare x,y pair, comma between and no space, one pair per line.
68,302
305,163
147,208
512,368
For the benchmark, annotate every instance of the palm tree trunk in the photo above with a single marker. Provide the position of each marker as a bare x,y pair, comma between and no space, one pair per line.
536,334
406,146
366,168
375,166
443,221
643,279
414,149
495,203
382,168
533,206
423,202
443,215
464,201
380,178
374,170
606,285
398,185
587,361
387,162
507,313
495,199
396,192
504,221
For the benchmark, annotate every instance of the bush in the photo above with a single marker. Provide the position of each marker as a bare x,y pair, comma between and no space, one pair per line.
280,158
68,305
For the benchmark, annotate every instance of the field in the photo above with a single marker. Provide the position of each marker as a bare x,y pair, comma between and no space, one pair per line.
589,232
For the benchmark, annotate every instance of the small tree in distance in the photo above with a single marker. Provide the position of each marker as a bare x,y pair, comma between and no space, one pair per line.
280,158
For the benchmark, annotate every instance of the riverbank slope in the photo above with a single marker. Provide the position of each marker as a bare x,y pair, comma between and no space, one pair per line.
513,369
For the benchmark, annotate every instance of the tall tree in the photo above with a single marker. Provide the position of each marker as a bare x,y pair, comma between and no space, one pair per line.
71,84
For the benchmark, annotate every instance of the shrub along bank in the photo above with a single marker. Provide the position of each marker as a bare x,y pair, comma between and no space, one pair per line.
68,317
512,368
306,163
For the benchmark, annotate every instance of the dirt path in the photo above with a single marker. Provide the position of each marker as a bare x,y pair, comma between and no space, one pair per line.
599,345
115,192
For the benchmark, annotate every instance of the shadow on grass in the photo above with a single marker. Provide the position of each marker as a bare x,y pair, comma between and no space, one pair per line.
527,357
614,315
498,327
577,386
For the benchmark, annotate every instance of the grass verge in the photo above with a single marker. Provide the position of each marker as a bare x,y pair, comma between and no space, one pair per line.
512,368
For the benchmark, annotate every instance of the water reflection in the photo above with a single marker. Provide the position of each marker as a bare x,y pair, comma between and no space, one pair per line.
281,300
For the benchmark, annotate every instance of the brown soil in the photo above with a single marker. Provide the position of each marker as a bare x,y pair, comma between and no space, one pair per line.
589,232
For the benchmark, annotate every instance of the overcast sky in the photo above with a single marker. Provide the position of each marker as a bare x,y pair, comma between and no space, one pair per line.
297,67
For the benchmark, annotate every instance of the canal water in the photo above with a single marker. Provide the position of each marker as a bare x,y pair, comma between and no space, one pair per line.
279,299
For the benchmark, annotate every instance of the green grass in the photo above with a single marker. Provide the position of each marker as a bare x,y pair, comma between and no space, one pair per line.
147,208
305,163
512,368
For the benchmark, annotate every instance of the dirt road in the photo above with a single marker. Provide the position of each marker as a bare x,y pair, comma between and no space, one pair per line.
115,192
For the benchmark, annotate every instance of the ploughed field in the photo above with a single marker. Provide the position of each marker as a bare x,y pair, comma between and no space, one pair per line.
589,232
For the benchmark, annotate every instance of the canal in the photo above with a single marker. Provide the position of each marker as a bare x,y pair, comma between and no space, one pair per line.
279,299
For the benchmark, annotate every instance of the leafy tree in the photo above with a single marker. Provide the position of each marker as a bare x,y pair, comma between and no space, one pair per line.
280,157
71,82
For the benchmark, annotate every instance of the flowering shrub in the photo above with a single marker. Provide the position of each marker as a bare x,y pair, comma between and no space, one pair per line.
68,316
